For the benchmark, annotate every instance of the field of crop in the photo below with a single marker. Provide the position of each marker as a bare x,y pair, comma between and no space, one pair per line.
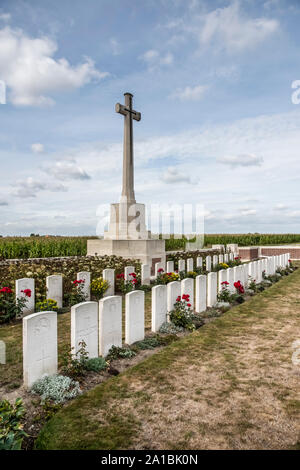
46,247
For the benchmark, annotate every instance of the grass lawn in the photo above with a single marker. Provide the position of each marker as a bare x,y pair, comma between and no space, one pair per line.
229,385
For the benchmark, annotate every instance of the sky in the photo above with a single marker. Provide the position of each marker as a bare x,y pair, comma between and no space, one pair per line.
218,87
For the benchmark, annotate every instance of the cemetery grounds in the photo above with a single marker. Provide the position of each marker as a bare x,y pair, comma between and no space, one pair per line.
231,384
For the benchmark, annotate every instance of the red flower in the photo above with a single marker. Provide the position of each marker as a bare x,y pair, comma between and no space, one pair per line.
189,305
178,299
132,274
225,283
27,292
289,261
160,270
120,276
186,297
80,281
239,287
6,290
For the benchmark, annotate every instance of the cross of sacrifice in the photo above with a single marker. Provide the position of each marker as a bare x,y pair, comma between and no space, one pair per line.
128,179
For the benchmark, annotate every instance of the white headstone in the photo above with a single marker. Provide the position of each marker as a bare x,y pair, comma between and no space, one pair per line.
215,260
226,258
39,346
208,263
199,262
84,327
127,271
170,266
181,265
145,274
54,286
110,323
109,276
86,289
221,258
231,256
222,278
134,316
230,279
212,281
187,287
173,291
236,274
158,267
159,306
24,284
190,264
201,294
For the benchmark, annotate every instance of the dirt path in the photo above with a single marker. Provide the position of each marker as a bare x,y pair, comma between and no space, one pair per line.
230,385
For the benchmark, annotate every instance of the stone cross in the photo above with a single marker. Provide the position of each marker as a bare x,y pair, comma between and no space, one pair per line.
128,180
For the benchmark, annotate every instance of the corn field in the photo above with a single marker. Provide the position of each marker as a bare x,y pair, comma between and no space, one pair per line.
48,247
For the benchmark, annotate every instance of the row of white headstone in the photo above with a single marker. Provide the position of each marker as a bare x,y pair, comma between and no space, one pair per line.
99,325
188,265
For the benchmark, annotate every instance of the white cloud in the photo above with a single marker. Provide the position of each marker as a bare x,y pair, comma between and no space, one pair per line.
281,207
37,148
67,170
247,212
32,74
190,93
155,59
241,160
5,17
3,202
172,175
30,187
227,28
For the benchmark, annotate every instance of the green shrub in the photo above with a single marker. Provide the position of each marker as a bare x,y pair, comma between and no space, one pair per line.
116,352
148,343
11,429
170,328
96,364
56,388
47,305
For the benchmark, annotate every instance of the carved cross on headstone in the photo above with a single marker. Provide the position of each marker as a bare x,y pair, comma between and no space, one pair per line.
128,178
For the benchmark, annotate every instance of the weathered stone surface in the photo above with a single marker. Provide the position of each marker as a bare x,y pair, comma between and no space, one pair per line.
145,274
199,262
84,327
187,288
39,346
86,289
201,294
208,263
159,306
212,281
173,291
190,264
54,286
127,271
170,266
110,323
109,276
134,316
181,265
24,284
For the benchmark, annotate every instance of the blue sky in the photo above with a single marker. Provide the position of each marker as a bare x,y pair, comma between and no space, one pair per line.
212,80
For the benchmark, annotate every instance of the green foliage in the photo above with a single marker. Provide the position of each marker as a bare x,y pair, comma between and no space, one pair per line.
76,295
96,364
47,305
56,388
98,287
74,365
224,295
10,307
11,429
170,328
181,315
116,352
148,343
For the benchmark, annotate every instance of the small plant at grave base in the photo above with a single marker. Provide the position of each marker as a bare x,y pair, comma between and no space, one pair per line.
170,328
74,365
224,295
11,428
56,388
239,287
116,352
11,308
96,364
165,278
127,286
181,313
98,287
252,285
147,343
77,295
48,305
